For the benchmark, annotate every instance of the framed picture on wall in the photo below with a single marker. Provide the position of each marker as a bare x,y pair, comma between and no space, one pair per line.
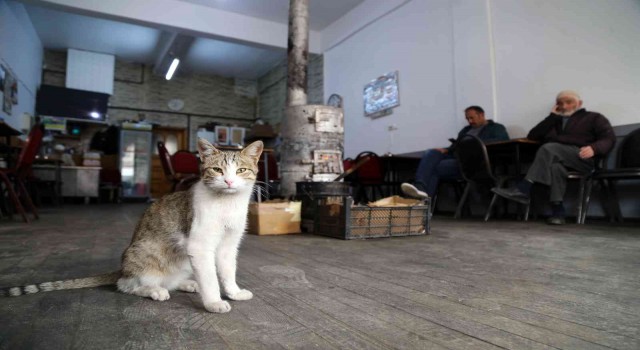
380,95
222,135
237,136
1,78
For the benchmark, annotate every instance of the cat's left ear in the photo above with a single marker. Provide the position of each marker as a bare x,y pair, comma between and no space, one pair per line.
254,150
205,148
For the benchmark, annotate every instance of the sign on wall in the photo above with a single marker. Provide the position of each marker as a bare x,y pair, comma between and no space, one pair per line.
380,95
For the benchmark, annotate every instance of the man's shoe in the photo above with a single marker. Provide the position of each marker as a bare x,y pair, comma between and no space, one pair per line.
412,191
556,220
513,194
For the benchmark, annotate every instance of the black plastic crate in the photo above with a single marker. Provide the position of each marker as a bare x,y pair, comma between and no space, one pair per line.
308,192
336,217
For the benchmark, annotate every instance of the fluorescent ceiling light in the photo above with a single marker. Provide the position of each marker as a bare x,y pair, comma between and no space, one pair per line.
172,69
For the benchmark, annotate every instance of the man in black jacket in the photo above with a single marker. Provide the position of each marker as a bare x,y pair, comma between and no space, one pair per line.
572,137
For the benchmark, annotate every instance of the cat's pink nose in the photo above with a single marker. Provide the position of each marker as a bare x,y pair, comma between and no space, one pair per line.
229,182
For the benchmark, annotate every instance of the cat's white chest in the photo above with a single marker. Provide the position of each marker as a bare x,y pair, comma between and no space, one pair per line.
220,214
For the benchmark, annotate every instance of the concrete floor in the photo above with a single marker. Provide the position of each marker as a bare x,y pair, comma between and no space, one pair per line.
468,285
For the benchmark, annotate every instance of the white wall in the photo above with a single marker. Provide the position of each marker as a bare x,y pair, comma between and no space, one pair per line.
510,57
21,51
416,40
543,47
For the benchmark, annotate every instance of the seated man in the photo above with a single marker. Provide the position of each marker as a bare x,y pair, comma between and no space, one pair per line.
572,137
440,163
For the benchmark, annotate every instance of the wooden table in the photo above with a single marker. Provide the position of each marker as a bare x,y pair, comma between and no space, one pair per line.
516,152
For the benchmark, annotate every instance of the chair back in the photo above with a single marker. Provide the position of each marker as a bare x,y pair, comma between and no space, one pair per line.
165,160
629,151
371,172
473,159
272,168
185,162
29,151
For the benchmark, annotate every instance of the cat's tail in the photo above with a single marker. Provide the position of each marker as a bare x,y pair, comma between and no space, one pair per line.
87,282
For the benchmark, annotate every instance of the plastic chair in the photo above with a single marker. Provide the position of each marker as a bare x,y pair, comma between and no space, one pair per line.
627,168
184,178
185,162
475,167
15,177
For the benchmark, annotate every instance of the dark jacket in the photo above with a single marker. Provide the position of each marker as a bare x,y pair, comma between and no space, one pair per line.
583,129
490,133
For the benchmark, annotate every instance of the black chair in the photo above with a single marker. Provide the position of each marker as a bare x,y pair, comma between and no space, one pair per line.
268,176
476,169
370,175
627,168
584,190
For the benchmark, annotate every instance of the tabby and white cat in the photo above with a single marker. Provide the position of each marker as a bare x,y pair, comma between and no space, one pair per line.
194,233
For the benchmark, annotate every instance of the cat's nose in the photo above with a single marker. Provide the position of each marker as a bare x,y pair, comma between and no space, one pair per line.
229,182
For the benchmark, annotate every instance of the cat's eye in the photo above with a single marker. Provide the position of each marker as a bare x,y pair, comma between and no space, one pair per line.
216,170
241,170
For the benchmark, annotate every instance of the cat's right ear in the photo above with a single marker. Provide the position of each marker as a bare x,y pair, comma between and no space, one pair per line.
205,148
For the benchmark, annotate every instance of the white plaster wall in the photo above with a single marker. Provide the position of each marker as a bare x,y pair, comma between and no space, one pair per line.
510,57
543,47
416,40
21,51
187,18
473,73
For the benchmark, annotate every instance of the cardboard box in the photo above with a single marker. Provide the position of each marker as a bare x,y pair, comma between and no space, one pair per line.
274,218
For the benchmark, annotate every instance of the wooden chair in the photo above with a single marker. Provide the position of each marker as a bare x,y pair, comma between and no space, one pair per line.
14,178
369,176
111,182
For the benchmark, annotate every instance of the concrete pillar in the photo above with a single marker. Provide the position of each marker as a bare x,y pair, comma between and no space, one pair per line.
298,52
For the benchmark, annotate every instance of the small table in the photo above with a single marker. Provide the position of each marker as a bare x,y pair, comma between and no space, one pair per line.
514,152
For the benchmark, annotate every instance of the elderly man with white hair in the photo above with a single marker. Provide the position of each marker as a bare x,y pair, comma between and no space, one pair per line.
572,136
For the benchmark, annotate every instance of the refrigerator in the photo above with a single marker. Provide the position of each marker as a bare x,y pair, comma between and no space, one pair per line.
135,163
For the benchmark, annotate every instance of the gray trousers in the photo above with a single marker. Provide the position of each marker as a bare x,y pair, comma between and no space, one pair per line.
550,167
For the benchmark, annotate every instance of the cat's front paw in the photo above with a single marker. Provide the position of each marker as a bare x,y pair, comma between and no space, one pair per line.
219,307
241,295
160,294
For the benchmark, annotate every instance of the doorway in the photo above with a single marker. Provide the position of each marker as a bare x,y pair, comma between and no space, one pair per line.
175,139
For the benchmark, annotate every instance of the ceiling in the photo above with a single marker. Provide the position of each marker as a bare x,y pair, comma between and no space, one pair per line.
60,30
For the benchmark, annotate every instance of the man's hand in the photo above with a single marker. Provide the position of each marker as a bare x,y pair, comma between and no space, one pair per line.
442,150
586,152
556,110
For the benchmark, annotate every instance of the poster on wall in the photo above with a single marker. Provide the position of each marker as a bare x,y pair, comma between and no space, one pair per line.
2,73
13,91
222,135
7,100
380,95
237,136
